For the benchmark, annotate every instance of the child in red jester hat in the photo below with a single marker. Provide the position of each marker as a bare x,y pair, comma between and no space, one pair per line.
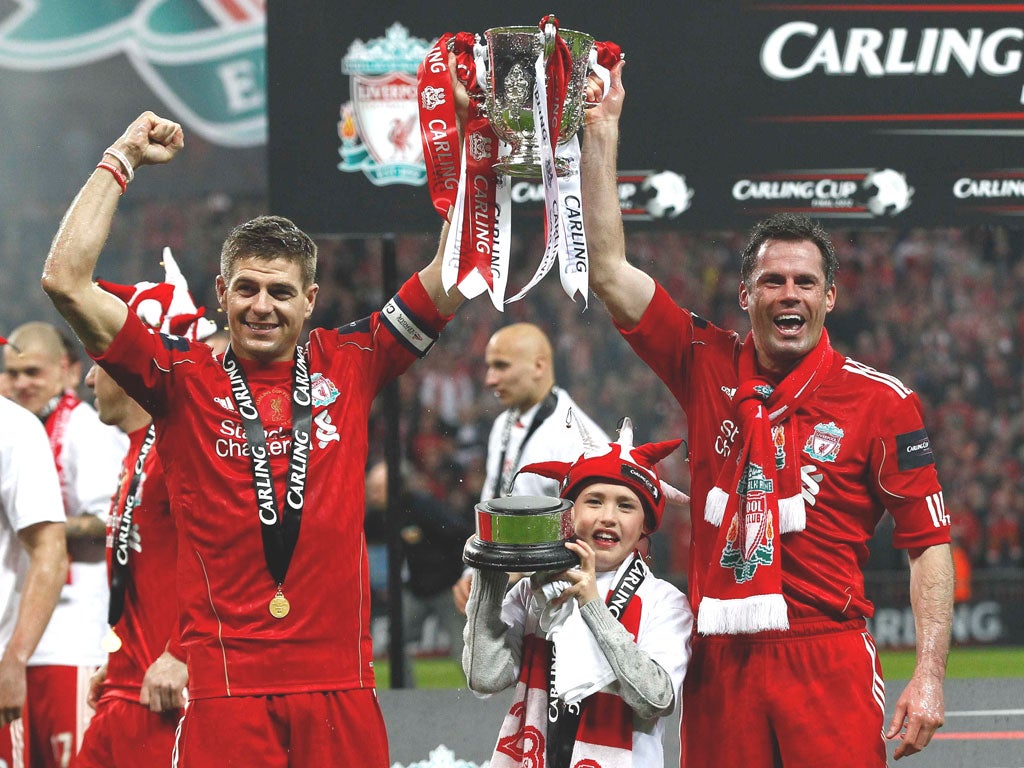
597,654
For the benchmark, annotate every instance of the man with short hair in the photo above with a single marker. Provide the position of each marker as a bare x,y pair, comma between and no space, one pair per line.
540,420
88,455
33,563
138,694
795,452
264,449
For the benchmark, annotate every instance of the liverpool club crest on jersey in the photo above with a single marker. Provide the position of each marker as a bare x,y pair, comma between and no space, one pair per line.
323,390
825,442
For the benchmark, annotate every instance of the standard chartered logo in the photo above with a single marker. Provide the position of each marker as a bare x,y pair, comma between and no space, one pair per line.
326,432
232,443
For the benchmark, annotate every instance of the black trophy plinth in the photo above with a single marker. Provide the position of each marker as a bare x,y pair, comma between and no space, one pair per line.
522,533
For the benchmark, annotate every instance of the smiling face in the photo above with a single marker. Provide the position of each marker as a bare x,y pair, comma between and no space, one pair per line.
610,518
34,376
787,299
266,306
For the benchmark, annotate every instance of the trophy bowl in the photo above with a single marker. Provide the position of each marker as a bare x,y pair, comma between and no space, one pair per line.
521,534
512,53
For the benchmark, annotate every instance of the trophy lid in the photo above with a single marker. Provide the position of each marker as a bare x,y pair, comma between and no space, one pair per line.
524,505
522,533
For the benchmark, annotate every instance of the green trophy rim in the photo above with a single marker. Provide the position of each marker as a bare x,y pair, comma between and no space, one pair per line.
526,529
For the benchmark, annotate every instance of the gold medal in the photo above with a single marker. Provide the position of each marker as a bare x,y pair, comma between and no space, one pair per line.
111,643
279,605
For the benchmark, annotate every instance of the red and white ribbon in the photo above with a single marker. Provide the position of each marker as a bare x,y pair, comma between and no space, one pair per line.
465,187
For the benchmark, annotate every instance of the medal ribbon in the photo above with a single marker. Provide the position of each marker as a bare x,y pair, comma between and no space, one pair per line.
280,529
56,425
122,550
508,470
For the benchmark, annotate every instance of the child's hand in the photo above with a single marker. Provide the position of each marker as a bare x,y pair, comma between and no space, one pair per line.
582,579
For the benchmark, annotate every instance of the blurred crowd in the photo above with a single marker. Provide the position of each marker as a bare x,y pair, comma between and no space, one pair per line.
942,309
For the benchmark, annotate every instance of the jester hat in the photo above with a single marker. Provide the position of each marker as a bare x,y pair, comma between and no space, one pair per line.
166,306
622,464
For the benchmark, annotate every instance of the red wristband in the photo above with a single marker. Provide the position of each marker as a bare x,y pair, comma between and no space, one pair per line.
122,182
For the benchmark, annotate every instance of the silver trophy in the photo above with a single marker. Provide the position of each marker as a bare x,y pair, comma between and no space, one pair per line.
522,533
512,54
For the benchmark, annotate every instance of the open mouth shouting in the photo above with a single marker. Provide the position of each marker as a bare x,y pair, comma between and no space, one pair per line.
790,323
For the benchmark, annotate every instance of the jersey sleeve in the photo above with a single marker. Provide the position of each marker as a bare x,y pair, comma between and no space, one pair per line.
402,332
674,342
29,488
662,338
903,470
144,362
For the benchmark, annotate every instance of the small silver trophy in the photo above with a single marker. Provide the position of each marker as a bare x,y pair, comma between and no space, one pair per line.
522,533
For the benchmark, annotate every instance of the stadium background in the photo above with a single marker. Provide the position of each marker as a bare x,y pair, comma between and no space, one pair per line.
929,289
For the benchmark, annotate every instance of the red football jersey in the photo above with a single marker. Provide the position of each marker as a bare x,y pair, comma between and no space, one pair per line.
234,645
863,450
150,619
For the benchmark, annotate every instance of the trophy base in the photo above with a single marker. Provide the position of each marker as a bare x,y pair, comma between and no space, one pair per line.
510,558
526,165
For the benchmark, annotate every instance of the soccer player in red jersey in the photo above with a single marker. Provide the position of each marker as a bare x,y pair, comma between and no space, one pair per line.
264,449
138,695
795,453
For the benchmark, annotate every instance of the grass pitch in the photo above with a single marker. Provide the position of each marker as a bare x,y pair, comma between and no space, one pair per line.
964,662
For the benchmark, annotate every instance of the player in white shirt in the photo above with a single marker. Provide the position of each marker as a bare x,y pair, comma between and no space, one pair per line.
88,456
33,562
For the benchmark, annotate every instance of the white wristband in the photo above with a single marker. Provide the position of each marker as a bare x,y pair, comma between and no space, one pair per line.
122,158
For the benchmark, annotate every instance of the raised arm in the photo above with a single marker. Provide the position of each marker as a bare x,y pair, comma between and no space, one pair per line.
95,315
625,290
430,276
921,708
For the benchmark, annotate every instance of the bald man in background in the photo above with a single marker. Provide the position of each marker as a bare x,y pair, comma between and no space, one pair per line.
88,457
540,421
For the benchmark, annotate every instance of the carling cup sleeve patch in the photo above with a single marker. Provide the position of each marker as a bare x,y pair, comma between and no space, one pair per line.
913,450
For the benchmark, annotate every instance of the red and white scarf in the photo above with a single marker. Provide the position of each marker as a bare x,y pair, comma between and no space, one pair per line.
758,496
56,424
604,735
